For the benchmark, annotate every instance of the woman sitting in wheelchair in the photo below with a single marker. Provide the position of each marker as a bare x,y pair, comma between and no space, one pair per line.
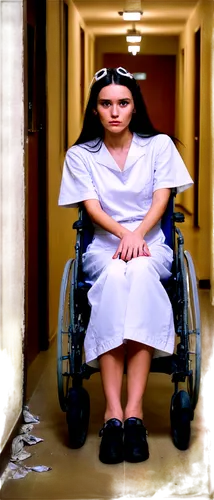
122,170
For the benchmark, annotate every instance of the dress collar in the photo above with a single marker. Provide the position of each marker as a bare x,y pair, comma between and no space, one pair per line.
136,150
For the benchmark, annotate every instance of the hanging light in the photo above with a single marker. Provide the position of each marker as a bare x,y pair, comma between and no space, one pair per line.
131,16
132,11
133,36
134,49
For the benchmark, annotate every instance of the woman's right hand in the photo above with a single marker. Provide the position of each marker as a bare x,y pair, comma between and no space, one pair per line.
132,245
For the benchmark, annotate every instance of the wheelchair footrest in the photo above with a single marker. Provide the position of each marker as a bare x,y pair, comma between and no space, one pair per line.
165,364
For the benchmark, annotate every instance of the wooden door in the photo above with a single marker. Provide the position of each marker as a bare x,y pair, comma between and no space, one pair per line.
36,310
158,88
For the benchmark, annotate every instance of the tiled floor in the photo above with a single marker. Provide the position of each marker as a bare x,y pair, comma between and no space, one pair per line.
78,474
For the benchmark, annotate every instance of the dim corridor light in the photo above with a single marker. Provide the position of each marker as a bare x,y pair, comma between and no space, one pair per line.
131,15
134,49
133,38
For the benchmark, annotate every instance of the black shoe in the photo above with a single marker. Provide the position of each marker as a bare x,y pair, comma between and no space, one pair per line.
111,446
135,442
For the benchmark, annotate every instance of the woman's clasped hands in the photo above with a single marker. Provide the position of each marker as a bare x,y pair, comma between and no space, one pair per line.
132,245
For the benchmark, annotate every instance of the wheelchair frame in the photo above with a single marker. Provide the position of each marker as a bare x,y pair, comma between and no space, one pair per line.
184,366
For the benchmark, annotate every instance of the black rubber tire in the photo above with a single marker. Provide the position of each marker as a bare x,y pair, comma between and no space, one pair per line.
181,414
77,416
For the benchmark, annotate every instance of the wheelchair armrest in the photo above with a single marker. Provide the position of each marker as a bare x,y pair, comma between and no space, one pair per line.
78,224
178,217
83,223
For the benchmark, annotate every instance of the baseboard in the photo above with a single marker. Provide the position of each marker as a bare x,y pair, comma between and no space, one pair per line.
204,284
6,452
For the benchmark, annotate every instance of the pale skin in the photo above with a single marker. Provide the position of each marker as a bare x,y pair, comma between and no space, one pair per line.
115,107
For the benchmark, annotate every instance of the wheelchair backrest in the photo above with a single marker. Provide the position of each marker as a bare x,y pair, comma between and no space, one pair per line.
167,225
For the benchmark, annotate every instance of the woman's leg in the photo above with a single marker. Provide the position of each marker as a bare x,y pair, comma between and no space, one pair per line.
139,358
138,365
108,299
111,369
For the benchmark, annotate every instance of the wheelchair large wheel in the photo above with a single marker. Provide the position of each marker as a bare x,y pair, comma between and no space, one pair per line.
65,323
181,414
78,412
187,323
194,339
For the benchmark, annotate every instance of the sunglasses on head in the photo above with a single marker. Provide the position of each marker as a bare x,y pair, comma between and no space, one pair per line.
103,72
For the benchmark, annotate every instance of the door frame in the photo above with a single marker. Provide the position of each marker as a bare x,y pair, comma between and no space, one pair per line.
43,178
43,303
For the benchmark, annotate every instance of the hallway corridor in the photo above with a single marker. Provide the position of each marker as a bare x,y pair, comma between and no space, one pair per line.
78,474
52,50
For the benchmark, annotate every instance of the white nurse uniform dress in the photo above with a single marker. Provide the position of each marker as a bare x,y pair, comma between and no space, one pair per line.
127,300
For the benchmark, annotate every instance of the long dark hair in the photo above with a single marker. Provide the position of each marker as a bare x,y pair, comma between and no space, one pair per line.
140,122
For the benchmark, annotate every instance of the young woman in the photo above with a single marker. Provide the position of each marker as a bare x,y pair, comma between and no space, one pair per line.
122,170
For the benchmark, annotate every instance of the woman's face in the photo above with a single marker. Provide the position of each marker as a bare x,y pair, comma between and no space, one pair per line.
115,106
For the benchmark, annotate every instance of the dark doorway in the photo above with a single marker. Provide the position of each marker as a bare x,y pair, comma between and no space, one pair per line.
197,125
36,290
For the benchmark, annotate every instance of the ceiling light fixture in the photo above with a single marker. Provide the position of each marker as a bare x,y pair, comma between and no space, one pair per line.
133,38
131,16
134,49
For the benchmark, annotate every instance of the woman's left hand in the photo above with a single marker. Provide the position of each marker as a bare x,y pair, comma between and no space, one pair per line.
131,246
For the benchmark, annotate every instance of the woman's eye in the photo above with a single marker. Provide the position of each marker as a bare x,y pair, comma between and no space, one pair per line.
107,104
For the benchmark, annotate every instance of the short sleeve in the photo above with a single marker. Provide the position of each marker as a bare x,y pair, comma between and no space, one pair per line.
169,170
77,183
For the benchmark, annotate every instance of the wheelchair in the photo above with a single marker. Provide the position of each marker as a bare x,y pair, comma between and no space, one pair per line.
184,365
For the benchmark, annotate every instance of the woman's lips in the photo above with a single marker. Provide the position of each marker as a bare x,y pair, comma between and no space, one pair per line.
114,122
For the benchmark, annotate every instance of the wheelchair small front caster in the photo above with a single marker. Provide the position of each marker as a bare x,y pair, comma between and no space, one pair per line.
181,414
77,416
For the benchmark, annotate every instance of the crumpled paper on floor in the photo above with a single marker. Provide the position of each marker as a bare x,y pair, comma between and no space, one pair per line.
18,453
28,417
21,455
29,439
25,428
18,471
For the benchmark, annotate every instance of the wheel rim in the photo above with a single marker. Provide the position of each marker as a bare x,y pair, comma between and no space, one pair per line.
194,339
64,335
